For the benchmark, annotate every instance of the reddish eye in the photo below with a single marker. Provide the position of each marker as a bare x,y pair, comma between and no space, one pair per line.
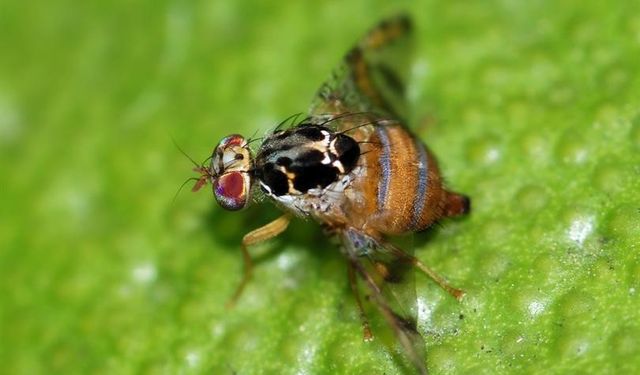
232,140
232,190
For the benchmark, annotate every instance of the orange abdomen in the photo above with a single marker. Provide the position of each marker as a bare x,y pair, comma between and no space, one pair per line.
401,184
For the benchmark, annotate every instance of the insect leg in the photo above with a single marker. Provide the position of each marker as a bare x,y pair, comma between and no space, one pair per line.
356,247
353,282
455,292
442,283
256,236
404,329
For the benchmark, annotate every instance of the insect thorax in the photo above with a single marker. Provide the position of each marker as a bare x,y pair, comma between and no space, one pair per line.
306,168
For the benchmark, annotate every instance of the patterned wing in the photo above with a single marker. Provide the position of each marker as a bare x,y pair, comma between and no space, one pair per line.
387,274
372,75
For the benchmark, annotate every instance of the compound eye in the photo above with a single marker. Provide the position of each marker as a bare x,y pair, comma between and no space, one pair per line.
232,190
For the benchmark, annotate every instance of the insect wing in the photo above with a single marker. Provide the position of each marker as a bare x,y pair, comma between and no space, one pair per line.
388,280
372,75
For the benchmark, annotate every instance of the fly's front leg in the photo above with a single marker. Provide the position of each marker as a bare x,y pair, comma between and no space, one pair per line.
256,236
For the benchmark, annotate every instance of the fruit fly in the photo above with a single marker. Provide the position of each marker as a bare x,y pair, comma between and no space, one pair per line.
353,166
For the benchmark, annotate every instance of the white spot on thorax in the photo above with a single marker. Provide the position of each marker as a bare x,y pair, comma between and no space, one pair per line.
326,160
267,189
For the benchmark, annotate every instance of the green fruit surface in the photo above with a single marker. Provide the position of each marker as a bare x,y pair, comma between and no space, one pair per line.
533,109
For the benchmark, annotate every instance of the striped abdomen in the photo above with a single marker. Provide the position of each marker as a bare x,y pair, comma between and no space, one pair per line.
401,183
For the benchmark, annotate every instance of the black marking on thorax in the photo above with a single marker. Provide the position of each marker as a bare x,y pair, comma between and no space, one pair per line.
305,157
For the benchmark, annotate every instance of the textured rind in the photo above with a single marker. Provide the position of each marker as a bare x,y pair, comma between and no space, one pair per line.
532,110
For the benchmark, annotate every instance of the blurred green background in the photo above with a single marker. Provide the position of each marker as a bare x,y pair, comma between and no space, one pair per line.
533,110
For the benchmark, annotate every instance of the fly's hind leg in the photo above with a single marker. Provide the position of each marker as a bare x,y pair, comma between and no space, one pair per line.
455,205
256,236
442,283
353,282
455,292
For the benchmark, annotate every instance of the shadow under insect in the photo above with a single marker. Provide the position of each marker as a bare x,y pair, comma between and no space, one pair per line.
303,234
